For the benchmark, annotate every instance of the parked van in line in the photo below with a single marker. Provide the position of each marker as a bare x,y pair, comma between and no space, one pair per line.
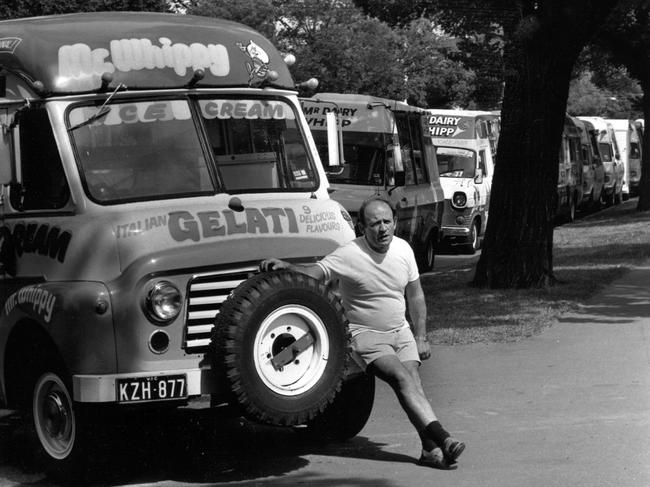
593,171
613,190
148,162
464,150
624,130
384,152
635,156
569,181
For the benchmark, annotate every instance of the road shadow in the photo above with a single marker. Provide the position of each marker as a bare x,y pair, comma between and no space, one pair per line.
622,303
197,446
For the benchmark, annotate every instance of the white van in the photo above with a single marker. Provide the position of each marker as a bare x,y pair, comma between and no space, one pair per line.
384,152
464,150
593,171
635,156
625,132
614,188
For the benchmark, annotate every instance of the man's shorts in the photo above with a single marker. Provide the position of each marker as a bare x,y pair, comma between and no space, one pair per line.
368,346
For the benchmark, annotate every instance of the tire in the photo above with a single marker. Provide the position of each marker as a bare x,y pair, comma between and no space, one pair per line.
571,214
473,239
61,430
347,415
266,315
427,256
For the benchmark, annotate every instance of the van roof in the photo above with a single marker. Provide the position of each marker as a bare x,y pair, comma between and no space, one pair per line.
68,54
354,99
462,113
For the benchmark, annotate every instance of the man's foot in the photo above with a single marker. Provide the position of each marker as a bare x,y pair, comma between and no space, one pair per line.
452,449
434,458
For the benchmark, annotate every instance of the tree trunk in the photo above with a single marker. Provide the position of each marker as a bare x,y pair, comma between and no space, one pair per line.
644,185
539,55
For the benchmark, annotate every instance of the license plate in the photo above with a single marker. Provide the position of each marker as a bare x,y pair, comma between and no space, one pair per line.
155,388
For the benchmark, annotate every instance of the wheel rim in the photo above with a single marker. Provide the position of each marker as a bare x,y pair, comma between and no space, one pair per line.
474,237
53,416
284,326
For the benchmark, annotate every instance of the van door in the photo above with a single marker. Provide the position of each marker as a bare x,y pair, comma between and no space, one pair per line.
414,201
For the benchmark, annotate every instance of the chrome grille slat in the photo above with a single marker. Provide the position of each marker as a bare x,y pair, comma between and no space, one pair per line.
206,293
210,299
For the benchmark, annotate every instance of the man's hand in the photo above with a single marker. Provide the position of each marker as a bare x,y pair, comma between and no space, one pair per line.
273,264
424,350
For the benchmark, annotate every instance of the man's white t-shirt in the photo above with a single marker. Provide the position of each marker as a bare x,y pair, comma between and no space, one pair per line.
372,284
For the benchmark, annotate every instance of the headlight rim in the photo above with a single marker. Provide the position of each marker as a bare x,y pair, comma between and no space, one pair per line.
150,305
462,205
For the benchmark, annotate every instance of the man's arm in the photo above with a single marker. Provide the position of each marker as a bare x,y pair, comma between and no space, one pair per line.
312,270
418,312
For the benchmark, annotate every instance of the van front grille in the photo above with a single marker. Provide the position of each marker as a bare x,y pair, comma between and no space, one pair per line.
205,295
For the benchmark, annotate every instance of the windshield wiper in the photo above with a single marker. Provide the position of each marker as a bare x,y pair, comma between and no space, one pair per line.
101,113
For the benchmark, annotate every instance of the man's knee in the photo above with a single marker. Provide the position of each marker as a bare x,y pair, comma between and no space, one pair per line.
392,371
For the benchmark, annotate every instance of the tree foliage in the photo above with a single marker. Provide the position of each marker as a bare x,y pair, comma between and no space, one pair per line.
13,9
350,52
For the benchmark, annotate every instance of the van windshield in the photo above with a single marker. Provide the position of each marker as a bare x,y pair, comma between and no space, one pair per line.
456,163
364,157
144,150
606,152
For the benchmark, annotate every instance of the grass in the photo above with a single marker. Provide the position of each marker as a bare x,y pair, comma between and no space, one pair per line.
588,255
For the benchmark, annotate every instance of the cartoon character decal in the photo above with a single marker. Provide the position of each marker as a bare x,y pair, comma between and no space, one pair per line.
259,65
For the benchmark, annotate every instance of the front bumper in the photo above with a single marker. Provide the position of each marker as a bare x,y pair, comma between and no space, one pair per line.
103,388
449,232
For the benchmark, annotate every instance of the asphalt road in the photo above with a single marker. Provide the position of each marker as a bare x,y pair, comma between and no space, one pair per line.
570,407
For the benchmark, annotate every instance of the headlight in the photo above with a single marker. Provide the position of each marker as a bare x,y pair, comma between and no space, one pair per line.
459,200
163,302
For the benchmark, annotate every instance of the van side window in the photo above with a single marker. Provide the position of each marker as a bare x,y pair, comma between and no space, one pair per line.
410,138
44,186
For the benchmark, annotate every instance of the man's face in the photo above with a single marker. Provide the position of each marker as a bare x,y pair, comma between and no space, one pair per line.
379,227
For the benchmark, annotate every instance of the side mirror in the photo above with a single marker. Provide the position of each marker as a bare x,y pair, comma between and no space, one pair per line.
332,140
478,179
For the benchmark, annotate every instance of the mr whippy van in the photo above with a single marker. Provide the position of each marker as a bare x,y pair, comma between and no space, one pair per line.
465,154
381,149
148,162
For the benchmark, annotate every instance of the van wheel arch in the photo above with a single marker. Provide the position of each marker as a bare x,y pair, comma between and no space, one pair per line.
27,347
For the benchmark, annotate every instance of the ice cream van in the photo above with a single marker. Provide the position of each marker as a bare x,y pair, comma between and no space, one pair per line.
593,171
614,189
382,150
629,147
466,165
148,163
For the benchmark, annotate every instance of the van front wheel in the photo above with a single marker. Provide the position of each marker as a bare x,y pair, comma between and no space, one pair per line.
473,241
427,255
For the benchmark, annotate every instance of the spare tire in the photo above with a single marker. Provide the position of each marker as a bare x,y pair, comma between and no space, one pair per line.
281,342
